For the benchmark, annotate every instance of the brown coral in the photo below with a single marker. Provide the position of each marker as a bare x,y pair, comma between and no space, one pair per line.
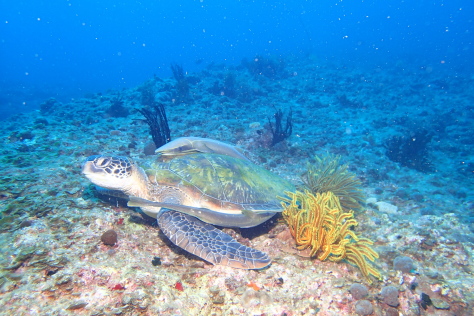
318,222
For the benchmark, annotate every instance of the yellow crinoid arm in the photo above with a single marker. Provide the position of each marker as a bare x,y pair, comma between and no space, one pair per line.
317,221
356,254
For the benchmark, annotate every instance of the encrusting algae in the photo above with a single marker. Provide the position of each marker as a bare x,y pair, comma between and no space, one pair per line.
318,222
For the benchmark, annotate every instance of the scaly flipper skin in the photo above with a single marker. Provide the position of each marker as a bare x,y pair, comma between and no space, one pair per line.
209,243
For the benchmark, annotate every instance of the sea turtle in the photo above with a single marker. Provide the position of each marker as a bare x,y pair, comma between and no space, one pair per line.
189,193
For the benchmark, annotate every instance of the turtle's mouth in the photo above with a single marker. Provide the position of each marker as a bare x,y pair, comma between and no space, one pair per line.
96,174
89,168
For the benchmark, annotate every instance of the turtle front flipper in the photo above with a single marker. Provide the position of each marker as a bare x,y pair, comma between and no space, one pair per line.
208,242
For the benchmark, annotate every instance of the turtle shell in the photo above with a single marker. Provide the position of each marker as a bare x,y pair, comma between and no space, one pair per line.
217,182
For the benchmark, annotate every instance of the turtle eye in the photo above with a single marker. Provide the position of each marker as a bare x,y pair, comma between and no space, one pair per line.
102,162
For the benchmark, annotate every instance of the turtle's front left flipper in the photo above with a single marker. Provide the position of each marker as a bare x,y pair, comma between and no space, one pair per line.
209,243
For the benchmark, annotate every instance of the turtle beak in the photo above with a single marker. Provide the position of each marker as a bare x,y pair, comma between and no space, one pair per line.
97,164
89,168
96,175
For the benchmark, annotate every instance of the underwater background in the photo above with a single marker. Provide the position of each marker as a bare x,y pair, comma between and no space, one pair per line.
377,94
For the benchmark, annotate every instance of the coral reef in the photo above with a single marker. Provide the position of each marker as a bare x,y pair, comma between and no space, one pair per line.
327,175
318,222
345,102
48,106
279,133
156,119
269,67
410,150
117,108
51,221
228,88
109,238
182,85
358,291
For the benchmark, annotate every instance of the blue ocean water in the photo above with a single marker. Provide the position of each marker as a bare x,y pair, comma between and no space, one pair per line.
66,49
386,86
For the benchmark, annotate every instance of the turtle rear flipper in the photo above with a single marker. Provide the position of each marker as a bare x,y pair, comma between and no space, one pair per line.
209,243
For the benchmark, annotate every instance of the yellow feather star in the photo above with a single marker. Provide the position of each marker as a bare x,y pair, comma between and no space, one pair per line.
319,222
326,174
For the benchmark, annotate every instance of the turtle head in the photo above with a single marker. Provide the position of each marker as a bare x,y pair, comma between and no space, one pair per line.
115,173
